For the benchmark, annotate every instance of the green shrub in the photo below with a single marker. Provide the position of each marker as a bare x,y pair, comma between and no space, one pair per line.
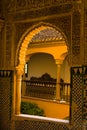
31,109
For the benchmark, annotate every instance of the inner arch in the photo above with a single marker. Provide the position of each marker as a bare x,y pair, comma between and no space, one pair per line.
31,37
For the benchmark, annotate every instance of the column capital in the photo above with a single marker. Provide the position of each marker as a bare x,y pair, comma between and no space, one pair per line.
58,61
27,58
19,70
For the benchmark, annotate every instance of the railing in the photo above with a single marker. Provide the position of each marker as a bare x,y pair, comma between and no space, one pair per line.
41,89
46,89
65,91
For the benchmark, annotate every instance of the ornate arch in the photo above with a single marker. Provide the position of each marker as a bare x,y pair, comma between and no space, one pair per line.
26,38
21,58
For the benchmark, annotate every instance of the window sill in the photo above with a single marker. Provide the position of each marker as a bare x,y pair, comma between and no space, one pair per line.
38,118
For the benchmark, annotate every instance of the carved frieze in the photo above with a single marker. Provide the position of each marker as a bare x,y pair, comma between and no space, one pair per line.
34,4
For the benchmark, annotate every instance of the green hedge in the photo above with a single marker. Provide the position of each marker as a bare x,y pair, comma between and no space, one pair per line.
31,109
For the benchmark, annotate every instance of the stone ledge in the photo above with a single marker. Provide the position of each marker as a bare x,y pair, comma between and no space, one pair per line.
38,118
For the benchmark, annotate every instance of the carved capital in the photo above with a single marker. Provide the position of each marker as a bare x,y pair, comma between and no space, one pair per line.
58,61
20,70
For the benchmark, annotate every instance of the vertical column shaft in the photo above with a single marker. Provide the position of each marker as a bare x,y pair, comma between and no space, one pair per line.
18,92
57,96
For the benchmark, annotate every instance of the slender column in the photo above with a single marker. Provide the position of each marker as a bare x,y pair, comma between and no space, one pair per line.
57,96
23,86
18,91
24,78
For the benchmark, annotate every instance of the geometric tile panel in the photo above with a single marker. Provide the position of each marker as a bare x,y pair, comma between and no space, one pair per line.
39,125
85,93
5,99
77,96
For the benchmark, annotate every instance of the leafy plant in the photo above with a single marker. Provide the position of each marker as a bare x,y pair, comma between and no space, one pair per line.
31,109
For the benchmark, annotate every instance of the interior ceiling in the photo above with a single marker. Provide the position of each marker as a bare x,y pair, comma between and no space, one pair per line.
48,34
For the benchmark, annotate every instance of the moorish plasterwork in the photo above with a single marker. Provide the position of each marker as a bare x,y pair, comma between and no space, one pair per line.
18,5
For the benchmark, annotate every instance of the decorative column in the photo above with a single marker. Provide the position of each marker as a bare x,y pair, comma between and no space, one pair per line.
23,87
57,96
19,73
24,78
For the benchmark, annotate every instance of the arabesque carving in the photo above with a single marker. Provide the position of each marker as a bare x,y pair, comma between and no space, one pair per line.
33,4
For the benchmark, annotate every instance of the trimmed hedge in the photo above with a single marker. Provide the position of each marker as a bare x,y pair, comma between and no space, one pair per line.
31,109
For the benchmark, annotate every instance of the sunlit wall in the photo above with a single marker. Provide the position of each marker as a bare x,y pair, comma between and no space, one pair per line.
41,63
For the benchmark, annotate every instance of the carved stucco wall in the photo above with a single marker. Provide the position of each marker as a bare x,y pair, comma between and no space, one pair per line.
19,5
5,99
63,16
1,43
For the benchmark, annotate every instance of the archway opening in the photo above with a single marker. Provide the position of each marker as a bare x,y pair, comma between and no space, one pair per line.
33,43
